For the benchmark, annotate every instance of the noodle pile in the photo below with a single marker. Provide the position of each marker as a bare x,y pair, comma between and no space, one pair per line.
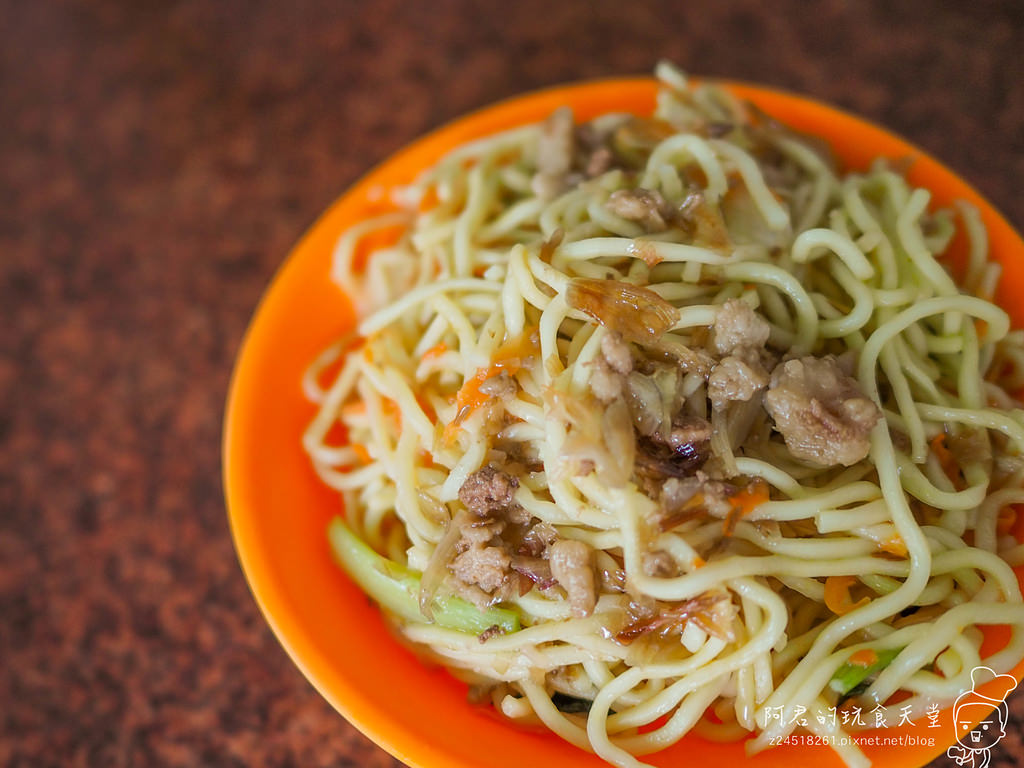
546,326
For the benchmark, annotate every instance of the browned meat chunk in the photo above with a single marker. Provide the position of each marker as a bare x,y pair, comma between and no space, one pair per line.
500,387
594,156
572,566
677,492
479,533
644,206
689,434
659,460
538,538
660,564
600,160
536,569
685,498
610,368
492,631
737,325
617,353
487,567
498,541
482,567
823,416
488,491
605,383
735,379
554,154
717,497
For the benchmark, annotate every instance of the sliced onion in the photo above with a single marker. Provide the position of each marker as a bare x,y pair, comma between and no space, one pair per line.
645,403
721,447
666,377
617,430
602,439
742,419
536,569
638,313
437,566
712,611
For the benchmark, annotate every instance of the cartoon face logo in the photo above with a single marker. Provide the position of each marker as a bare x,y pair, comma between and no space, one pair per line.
987,733
973,744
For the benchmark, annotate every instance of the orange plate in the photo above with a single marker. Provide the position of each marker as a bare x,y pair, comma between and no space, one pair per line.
279,510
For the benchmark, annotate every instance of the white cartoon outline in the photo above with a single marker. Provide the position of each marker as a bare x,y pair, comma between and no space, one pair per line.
973,745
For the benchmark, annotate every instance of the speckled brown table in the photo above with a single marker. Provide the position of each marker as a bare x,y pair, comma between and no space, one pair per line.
157,160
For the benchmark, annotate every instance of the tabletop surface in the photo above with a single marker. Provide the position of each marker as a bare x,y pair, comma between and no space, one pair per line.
157,161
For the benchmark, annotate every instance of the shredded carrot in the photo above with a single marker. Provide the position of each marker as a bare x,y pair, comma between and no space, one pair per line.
450,433
894,545
863,658
467,400
946,459
980,327
362,452
435,351
691,508
519,347
1005,521
699,562
753,495
508,358
837,594
426,407
357,409
352,410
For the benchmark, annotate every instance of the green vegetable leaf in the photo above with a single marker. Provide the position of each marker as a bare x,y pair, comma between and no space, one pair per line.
850,676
